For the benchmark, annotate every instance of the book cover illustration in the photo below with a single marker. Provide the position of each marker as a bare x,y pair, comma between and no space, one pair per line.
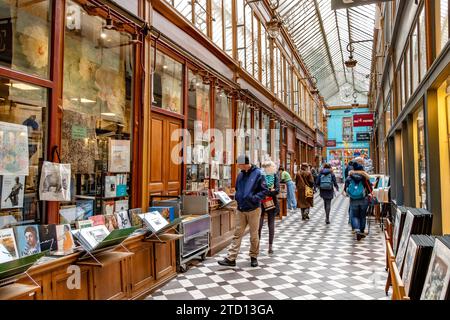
121,205
97,220
8,246
168,213
55,183
134,216
14,158
27,238
12,192
121,187
111,222
84,224
154,220
108,207
66,243
91,237
123,221
48,237
119,156
85,209
110,186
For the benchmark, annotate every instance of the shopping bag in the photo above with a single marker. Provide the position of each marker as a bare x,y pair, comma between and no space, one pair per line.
55,182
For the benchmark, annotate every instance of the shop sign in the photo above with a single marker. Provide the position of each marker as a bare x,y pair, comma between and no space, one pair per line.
331,143
363,136
363,120
320,139
344,4
79,133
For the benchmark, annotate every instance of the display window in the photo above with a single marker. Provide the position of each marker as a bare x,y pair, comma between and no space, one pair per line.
96,116
421,161
277,143
265,137
25,29
422,44
23,132
167,83
199,113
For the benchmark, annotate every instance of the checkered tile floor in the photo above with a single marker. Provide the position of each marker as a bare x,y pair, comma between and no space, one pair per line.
312,261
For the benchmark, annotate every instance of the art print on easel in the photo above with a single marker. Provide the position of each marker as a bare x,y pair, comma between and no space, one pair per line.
119,156
14,149
12,192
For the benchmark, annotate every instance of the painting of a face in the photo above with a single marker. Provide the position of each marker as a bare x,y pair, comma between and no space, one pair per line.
30,238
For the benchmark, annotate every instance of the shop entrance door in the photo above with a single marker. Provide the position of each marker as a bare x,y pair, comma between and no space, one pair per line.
165,174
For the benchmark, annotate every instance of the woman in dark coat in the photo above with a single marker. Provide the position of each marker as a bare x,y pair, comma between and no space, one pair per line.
273,184
326,182
304,178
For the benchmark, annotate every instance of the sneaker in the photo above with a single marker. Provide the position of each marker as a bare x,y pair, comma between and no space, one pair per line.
358,236
227,263
254,262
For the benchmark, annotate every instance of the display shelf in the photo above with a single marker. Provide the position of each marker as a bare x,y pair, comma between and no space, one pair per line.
18,291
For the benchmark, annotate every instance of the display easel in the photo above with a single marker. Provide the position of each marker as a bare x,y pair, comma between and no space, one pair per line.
114,240
171,226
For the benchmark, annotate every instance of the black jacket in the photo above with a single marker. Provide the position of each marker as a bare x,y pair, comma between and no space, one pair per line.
327,194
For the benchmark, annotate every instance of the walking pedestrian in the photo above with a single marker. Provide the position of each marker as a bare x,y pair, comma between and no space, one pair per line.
305,196
251,189
346,173
326,182
286,178
273,184
358,188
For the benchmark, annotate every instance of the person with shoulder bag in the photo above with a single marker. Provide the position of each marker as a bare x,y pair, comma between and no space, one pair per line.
326,182
270,206
305,197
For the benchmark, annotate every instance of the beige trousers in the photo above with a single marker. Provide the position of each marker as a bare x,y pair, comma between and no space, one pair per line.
250,218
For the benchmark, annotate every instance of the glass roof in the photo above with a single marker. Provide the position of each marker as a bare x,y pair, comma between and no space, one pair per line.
322,35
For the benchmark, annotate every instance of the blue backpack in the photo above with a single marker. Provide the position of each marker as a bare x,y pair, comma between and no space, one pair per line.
326,182
356,190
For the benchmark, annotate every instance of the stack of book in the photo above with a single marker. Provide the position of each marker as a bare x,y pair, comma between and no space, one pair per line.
90,238
154,221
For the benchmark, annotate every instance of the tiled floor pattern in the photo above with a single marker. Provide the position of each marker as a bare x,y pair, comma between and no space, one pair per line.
312,261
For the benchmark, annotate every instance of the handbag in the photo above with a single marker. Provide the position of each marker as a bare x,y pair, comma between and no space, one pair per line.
268,204
309,192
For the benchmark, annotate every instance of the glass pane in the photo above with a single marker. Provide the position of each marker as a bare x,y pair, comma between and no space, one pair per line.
423,45
422,159
228,18
266,142
244,130
168,84
444,24
224,149
130,5
256,45
415,56
199,114
184,7
25,30
97,110
217,23
248,40
23,131
200,15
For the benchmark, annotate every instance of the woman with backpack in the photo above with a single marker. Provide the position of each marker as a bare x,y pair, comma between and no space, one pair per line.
358,188
272,209
326,182
305,196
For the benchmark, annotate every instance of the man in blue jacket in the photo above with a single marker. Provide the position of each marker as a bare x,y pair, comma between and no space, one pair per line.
251,189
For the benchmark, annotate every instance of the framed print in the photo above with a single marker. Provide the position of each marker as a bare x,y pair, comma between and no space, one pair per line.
119,156
14,158
397,227
438,275
399,258
12,192
408,268
215,175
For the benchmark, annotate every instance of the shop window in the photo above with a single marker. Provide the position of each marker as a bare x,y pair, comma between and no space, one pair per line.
223,122
347,126
415,59
276,144
256,137
217,23
97,111
25,32
421,158
443,32
167,83
244,126
23,130
199,114
266,141
422,45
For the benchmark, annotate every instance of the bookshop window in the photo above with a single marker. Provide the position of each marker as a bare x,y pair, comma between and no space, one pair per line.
444,33
217,22
23,129
265,143
199,113
167,83
223,119
256,137
422,44
244,129
97,110
277,142
25,32
421,152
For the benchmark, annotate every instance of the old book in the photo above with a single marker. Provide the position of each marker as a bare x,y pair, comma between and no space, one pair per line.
111,222
84,224
154,221
27,238
66,243
98,220
8,246
92,237
47,237
108,207
123,221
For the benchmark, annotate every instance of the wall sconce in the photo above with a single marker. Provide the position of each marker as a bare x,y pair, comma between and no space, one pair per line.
109,21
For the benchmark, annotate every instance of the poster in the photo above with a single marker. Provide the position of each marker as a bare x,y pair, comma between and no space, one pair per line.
13,149
55,182
215,170
119,156
12,192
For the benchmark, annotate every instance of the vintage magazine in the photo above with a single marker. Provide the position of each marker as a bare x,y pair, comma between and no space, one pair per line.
119,156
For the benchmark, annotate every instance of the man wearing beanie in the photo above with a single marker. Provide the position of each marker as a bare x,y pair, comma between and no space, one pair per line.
251,189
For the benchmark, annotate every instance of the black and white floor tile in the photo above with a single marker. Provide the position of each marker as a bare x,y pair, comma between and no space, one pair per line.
312,261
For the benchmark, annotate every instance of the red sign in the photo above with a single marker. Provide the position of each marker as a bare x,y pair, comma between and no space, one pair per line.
331,143
363,120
